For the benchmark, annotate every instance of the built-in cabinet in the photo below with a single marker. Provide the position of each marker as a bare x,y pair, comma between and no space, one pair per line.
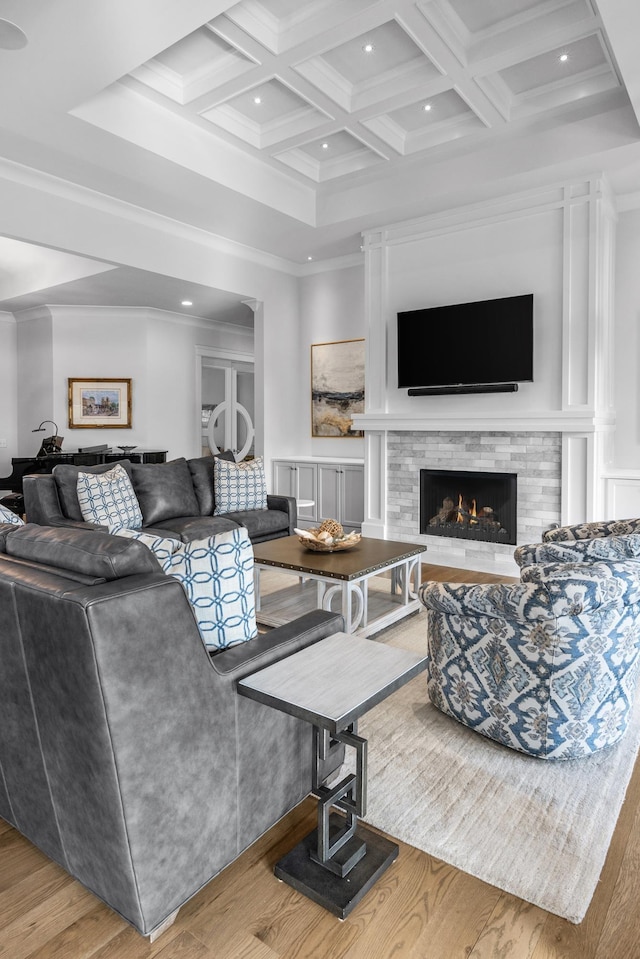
336,489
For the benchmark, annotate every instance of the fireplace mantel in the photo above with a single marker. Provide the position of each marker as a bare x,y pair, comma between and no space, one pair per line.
569,421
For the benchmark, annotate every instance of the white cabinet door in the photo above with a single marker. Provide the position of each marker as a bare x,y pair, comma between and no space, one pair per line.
284,478
328,491
341,493
352,490
299,480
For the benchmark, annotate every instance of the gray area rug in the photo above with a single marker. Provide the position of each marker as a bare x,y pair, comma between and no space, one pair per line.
536,829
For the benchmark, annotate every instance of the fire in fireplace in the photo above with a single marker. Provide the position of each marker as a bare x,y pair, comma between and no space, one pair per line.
468,505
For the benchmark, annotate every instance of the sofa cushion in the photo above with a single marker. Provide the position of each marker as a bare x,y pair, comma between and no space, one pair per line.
164,490
201,469
261,523
66,479
86,551
7,516
239,486
108,499
217,574
188,528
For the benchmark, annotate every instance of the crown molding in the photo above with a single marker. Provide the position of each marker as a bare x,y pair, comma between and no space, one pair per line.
65,189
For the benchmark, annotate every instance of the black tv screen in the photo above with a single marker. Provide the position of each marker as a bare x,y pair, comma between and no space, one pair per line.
490,341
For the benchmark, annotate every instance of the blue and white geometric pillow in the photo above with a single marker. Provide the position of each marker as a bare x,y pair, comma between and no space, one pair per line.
162,547
217,574
6,516
238,486
109,499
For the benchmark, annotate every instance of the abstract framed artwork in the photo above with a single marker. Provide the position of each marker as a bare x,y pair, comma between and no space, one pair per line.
100,403
337,387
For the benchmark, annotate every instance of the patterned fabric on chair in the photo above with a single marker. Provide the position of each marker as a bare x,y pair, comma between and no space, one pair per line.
600,549
611,527
547,666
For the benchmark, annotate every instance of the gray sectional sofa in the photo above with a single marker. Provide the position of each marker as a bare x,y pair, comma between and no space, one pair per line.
176,499
126,754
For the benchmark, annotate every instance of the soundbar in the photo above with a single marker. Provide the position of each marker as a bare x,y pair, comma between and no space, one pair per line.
470,388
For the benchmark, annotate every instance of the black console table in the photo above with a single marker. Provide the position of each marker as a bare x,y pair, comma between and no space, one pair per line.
22,465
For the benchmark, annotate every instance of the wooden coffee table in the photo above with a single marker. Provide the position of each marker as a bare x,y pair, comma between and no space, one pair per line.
331,684
320,577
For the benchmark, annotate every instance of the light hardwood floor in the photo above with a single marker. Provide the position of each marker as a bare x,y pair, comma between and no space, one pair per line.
420,909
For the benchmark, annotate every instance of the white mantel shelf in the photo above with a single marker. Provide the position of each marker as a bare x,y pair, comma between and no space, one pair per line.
583,421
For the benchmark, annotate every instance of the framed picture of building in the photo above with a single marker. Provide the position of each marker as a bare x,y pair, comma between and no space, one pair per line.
337,387
100,403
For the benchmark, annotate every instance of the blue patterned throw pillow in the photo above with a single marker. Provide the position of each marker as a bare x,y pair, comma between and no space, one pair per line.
162,547
239,486
108,499
217,574
6,516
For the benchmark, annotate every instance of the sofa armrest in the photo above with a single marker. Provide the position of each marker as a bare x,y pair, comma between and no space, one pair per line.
286,504
603,548
517,601
42,503
591,530
244,659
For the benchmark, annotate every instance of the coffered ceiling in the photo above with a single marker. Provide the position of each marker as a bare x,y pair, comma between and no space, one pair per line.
291,125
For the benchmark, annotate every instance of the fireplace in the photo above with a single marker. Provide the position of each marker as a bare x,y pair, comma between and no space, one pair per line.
468,505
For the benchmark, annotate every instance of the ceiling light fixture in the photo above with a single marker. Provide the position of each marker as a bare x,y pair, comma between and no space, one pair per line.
257,100
309,258
186,303
426,107
11,36
563,57
325,146
368,48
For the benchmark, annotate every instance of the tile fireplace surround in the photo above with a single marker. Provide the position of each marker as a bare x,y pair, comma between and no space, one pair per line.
536,458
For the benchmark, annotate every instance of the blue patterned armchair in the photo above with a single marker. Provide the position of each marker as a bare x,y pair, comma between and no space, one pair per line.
546,666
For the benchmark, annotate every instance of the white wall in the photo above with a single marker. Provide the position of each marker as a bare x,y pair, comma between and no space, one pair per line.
331,308
484,261
44,211
8,392
627,342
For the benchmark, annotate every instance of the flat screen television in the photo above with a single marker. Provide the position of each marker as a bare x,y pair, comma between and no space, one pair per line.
486,343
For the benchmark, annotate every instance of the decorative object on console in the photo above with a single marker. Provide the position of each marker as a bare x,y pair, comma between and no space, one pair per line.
108,498
51,444
101,403
127,449
239,486
337,387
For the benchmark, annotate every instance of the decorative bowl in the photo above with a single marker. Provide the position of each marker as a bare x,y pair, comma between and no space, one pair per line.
317,547
127,449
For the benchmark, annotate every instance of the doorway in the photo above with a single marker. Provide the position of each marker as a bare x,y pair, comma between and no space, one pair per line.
227,403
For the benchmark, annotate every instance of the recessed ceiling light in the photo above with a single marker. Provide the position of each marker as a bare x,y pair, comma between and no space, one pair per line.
426,107
325,146
368,48
309,258
563,57
11,36
186,303
257,99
